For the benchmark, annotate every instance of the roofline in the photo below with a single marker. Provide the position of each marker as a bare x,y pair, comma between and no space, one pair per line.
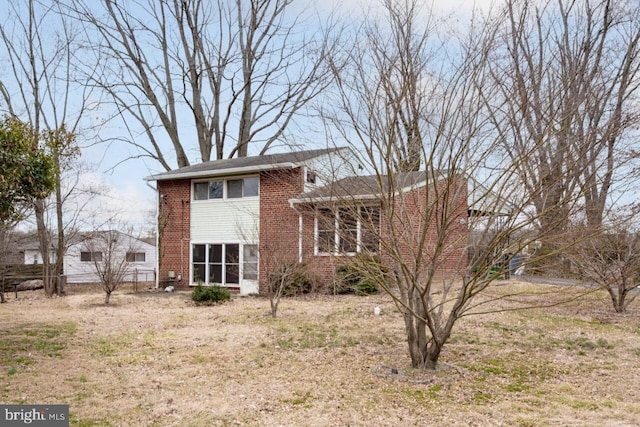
222,172
330,199
373,196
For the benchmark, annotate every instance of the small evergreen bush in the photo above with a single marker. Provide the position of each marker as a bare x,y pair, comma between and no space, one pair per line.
294,279
208,295
348,278
359,276
366,286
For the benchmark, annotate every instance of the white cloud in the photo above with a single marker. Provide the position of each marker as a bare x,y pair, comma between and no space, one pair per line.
106,203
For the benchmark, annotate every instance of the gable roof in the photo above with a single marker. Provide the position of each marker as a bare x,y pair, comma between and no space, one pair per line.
241,165
362,187
84,237
481,200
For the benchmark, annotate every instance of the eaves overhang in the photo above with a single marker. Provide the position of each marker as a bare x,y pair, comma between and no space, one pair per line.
220,172
332,199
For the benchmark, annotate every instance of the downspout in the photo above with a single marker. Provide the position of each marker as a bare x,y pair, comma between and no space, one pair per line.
300,229
157,267
300,237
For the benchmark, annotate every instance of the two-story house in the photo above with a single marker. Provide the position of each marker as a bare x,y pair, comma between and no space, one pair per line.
228,222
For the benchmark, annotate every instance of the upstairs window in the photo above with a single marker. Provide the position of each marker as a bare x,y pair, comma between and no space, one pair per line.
226,189
201,191
234,188
311,177
250,187
215,189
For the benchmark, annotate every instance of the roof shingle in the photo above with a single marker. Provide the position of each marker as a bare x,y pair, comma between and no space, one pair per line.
244,164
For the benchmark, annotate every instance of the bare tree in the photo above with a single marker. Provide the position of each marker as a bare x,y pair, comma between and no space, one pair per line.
567,75
610,258
233,72
282,271
468,186
110,253
38,44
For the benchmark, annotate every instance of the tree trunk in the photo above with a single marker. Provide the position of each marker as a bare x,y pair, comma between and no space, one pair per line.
424,353
618,297
45,243
433,355
61,244
106,297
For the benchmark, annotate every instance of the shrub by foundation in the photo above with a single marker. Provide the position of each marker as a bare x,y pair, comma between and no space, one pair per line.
208,295
359,276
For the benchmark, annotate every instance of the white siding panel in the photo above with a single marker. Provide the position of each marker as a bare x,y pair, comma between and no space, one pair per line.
85,272
332,167
225,220
78,271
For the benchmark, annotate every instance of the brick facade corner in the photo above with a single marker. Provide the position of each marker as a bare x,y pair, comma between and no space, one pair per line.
174,220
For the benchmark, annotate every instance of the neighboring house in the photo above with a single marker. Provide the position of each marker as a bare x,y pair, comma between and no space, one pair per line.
228,222
137,256
31,252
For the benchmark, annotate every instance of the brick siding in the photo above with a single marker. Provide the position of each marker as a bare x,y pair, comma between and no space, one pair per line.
423,231
279,231
279,227
174,225
417,216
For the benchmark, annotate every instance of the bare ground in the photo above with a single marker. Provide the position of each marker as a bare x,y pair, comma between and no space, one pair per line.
155,359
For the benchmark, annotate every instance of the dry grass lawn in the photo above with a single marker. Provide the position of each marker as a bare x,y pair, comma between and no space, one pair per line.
155,359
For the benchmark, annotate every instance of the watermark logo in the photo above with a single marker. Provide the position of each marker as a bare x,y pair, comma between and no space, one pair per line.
34,415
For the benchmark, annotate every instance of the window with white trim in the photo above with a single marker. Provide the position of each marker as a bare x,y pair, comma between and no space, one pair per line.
226,188
347,231
90,256
370,229
220,263
136,257
325,231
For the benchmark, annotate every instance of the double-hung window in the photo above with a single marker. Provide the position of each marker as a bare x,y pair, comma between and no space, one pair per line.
347,230
370,229
326,231
347,223
226,188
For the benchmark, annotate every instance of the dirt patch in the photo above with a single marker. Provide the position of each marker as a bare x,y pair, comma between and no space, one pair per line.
153,358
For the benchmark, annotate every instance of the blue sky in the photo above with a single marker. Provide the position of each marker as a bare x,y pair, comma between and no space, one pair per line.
115,167
126,180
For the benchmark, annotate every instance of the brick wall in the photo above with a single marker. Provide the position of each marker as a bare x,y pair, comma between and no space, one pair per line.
322,266
429,228
174,226
279,231
413,232
279,227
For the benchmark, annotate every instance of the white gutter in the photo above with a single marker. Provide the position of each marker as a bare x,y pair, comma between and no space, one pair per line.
300,230
328,199
221,172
